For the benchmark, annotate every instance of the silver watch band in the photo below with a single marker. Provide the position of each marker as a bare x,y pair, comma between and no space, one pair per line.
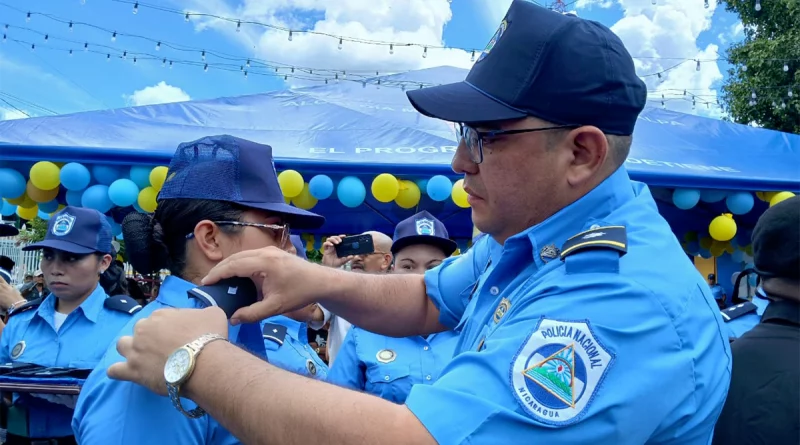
196,347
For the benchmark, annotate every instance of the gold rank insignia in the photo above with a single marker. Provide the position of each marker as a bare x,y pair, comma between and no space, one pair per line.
386,356
501,310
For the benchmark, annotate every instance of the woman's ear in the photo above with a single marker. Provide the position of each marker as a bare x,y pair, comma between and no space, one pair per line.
207,239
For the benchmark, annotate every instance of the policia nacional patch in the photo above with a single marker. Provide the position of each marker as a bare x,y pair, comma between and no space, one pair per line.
558,369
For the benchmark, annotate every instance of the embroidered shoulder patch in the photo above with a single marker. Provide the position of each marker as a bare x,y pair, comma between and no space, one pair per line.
558,370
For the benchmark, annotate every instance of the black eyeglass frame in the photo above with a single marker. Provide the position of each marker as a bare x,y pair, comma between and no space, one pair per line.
476,156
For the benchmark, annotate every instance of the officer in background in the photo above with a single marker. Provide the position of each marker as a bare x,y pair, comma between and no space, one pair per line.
221,196
71,327
388,366
717,291
763,405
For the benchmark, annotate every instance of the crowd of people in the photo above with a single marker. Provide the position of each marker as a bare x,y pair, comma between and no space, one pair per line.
576,318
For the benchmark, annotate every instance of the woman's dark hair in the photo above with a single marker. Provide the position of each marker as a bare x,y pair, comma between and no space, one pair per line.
158,241
113,279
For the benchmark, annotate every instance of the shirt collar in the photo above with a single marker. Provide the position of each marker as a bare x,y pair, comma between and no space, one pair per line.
173,291
297,330
782,310
581,215
90,308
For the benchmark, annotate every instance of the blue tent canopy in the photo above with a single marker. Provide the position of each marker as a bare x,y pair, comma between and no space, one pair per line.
355,128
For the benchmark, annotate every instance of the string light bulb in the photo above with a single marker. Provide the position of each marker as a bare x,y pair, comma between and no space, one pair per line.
425,52
203,55
363,84
783,104
28,17
70,26
239,26
247,64
758,5
46,37
744,67
124,54
186,17
785,67
472,57
205,68
753,94
378,84
653,2
694,104
158,46
663,105
344,74
290,36
245,74
136,8
391,49
340,43
660,79
752,102
163,62
326,81
698,65
335,77
134,60
170,64
5,38
86,46
286,77
33,47
108,57
114,36
705,4
790,94
70,53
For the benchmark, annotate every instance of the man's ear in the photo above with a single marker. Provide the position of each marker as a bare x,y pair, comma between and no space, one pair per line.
589,149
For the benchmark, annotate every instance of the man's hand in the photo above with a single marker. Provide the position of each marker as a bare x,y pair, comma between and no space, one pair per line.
329,257
158,336
308,314
286,282
9,295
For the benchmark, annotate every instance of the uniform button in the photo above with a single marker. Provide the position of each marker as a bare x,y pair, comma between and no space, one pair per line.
427,377
594,227
425,348
386,378
494,290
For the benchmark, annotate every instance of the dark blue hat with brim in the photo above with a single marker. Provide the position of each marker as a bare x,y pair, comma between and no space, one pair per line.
8,230
77,230
556,67
226,168
422,228
299,246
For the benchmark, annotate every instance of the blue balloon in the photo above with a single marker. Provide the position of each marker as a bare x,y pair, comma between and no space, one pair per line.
96,197
12,183
106,174
685,199
740,203
75,176
710,195
116,229
8,209
123,192
439,188
423,186
49,207
321,186
141,175
137,208
74,198
44,215
351,191
737,256
693,247
704,253
752,280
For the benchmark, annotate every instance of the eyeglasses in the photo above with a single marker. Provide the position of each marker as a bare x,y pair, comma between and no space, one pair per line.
282,228
473,139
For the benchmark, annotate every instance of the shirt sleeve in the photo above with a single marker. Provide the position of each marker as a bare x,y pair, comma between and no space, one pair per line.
347,371
5,339
326,316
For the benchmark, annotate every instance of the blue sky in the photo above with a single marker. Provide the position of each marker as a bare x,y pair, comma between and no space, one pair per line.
48,80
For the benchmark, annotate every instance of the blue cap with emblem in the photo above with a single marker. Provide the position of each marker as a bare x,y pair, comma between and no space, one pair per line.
556,67
77,230
299,246
422,228
226,168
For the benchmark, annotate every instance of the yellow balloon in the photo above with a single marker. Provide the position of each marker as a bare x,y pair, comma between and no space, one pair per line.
780,196
768,196
304,200
459,195
385,187
716,251
409,194
722,228
287,200
19,200
291,182
45,175
730,249
158,176
28,213
147,199
40,195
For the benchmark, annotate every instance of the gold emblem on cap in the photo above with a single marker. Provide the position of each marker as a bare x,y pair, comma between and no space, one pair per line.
386,356
501,310
19,348
312,368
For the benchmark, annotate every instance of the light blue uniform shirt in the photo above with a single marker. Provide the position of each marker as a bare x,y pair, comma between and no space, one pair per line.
115,412
388,367
597,348
739,326
293,353
83,338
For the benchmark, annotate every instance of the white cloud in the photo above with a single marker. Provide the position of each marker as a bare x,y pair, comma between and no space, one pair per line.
159,93
7,115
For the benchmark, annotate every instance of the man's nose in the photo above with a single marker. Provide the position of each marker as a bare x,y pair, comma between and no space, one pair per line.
462,163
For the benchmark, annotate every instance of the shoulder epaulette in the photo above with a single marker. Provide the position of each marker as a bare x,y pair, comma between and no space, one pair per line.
274,332
122,303
33,304
610,237
734,312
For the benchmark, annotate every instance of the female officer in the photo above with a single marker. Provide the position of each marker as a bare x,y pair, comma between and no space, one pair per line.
385,366
71,327
221,196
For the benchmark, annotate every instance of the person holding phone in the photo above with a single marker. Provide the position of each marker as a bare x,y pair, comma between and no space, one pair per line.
221,196
388,366
71,327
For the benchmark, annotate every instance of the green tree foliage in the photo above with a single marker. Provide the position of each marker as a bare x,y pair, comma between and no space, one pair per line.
771,43
34,231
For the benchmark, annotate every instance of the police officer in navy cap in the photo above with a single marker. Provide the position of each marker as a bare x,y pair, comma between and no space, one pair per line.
71,327
221,196
387,366
569,333
763,404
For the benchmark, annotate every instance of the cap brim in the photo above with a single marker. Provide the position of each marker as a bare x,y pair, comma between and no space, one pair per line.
297,218
448,246
65,246
461,102
7,230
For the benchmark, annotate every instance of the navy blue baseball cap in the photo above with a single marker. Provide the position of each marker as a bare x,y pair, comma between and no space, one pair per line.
77,230
541,63
299,246
422,228
8,230
226,168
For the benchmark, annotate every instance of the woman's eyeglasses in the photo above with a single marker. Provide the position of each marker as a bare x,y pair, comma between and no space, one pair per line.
282,230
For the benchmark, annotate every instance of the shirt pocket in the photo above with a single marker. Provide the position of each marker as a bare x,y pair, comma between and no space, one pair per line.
467,297
389,382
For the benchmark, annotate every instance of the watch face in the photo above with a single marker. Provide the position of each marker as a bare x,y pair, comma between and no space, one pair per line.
177,366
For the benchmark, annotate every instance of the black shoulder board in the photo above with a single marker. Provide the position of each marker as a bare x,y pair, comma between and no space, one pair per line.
274,332
122,303
734,312
611,237
33,304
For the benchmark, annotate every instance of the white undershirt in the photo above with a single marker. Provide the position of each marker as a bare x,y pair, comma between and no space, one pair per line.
59,319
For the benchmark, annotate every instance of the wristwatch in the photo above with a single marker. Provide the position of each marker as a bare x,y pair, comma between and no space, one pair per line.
179,367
